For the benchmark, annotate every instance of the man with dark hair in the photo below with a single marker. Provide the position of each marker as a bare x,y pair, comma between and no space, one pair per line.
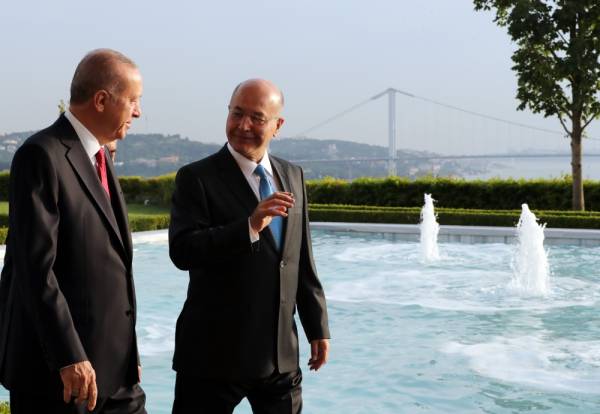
239,224
67,299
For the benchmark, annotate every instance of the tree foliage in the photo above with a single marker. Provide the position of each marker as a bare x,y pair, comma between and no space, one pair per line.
556,61
61,107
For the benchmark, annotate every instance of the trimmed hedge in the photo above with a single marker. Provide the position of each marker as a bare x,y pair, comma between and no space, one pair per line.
509,194
157,190
398,215
447,216
137,222
143,222
4,177
503,194
154,190
493,202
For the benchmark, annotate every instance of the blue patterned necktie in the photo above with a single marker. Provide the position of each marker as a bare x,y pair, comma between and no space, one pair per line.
265,189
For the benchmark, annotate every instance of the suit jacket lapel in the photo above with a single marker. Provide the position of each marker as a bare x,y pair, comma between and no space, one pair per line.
234,179
280,171
82,166
120,208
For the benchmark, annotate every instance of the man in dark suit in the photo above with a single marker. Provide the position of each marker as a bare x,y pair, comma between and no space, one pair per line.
67,300
239,224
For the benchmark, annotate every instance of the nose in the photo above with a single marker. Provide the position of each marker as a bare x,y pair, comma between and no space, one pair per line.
137,110
245,123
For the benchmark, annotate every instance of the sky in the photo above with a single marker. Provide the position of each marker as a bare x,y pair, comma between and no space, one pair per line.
326,56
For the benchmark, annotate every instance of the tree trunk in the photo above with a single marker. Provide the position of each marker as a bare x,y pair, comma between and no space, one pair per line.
578,202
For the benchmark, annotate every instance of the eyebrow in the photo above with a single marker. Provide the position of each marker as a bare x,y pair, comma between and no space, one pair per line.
239,108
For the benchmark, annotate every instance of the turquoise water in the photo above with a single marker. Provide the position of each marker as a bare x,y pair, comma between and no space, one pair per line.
414,337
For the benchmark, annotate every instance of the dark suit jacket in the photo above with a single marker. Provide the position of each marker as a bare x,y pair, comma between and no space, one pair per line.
238,319
66,292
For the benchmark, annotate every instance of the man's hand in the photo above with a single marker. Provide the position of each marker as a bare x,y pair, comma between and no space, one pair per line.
274,205
79,380
319,349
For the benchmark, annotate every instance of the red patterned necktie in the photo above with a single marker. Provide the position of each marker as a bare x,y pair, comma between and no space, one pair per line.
101,169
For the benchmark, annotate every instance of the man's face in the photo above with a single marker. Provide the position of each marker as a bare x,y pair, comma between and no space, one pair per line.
253,121
121,108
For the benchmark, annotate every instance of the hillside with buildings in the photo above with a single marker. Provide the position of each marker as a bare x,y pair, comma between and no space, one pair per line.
157,154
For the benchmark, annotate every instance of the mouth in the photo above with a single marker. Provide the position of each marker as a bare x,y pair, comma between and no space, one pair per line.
245,137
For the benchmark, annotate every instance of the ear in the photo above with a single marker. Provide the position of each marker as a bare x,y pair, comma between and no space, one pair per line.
280,122
99,100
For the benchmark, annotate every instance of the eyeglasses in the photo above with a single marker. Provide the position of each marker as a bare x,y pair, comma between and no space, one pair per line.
258,120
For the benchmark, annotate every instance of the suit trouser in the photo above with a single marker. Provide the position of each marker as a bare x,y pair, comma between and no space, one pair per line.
127,400
277,394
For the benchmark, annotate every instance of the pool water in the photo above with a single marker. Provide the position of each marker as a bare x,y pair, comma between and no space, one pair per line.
450,336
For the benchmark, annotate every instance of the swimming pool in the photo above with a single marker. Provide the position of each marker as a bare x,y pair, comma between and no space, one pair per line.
409,337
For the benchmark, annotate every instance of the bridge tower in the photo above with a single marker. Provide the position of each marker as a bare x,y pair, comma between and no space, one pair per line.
392,147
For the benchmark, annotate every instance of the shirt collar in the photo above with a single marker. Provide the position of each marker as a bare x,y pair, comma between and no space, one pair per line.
248,166
88,140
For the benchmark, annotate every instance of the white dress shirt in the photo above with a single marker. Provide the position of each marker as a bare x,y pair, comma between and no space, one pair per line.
88,140
247,167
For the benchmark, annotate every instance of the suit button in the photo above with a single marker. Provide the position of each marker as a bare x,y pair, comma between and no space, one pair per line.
282,264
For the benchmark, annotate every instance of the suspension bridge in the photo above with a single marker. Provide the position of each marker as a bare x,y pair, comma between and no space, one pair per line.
424,117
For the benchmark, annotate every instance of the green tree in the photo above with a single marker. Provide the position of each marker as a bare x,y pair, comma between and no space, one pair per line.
4,408
61,110
557,64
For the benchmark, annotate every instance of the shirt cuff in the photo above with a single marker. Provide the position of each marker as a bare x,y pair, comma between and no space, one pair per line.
254,236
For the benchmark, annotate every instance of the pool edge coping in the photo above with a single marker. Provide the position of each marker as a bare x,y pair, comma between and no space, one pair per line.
467,234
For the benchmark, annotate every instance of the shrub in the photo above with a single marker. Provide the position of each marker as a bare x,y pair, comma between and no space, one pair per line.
552,194
154,190
503,194
144,222
447,216
4,178
3,234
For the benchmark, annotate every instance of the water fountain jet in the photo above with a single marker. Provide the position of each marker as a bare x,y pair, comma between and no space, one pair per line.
530,263
429,228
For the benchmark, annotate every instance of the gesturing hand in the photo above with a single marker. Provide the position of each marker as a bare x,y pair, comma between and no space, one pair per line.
79,380
274,205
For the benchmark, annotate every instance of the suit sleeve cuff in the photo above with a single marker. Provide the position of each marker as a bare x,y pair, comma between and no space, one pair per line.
254,235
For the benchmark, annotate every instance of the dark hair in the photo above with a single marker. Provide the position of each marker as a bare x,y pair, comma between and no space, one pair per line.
99,69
